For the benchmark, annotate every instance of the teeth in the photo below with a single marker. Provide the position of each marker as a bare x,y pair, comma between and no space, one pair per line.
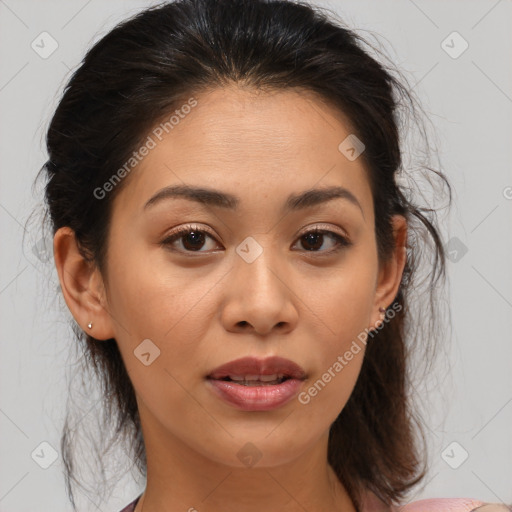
258,380
262,378
268,378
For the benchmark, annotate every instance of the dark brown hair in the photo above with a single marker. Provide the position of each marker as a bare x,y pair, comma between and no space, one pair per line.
139,73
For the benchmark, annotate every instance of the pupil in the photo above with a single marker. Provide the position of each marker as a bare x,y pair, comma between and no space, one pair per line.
313,236
196,237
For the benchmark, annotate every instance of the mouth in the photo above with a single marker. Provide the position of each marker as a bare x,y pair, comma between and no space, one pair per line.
252,369
252,384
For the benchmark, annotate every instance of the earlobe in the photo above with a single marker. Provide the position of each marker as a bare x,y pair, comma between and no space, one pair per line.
82,286
390,273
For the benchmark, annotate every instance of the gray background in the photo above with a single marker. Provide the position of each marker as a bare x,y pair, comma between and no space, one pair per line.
469,99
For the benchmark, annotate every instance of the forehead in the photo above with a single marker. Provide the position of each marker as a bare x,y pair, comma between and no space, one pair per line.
241,121
236,138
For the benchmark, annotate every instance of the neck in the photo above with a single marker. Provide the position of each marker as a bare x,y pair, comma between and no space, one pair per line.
179,478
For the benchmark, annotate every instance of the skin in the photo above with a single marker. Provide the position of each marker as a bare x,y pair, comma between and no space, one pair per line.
203,310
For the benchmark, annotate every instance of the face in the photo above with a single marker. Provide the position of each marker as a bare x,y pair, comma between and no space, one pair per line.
247,278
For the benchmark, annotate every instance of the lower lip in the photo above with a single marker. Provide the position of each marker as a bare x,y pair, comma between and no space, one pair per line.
256,398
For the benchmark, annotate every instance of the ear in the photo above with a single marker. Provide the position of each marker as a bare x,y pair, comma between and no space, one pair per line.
82,286
390,272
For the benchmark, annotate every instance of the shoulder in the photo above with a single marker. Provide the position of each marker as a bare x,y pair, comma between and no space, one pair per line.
451,505
371,503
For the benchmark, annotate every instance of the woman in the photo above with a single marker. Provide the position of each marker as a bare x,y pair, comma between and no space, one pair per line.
231,238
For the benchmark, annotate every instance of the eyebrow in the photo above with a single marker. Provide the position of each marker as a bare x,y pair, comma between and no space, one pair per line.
212,197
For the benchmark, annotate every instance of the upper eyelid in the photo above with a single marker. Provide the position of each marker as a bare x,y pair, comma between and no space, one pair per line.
319,226
324,227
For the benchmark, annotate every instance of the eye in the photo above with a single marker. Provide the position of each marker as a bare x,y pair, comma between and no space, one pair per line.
191,236
315,238
192,239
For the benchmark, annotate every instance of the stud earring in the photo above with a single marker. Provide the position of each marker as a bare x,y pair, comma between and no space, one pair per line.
89,325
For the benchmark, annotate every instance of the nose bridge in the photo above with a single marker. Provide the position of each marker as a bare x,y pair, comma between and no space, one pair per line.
256,263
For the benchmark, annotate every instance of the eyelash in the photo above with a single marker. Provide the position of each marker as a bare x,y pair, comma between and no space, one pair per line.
342,242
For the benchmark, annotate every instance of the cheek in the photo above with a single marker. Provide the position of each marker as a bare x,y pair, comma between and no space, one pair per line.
160,303
343,312
150,297
327,393
338,356
344,300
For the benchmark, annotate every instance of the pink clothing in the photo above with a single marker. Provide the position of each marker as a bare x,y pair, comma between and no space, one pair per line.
372,503
444,504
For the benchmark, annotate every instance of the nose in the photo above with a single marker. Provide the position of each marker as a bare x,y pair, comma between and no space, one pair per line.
259,297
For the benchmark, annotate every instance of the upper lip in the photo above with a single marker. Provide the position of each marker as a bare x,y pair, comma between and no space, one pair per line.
254,366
